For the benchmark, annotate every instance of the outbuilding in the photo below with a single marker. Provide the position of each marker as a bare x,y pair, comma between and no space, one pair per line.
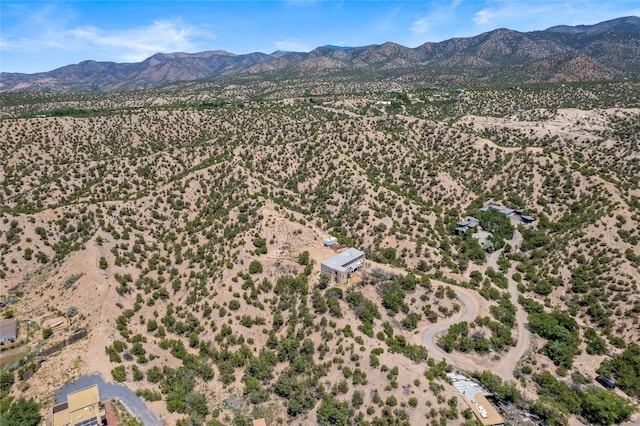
330,241
526,218
465,224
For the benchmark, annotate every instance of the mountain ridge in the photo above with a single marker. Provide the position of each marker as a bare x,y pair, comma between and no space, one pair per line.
609,50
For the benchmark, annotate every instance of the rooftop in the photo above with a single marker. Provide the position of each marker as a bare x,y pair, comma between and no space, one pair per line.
469,221
83,398
484,411
82,407
474,395
338,261
8,327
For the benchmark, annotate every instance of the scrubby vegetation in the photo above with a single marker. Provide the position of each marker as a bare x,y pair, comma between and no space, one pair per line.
201,226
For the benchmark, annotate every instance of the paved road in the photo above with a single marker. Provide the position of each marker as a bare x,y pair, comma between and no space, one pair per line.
112,391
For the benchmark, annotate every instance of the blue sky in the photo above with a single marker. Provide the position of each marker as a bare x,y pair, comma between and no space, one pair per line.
42,35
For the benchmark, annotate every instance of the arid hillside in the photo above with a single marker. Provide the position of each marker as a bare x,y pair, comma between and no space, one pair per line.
186,238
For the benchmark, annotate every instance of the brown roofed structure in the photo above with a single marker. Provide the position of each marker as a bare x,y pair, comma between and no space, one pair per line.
484,410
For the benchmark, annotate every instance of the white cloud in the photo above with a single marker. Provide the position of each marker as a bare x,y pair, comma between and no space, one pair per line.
484,16
132,44
291,45
139,43
420,26
539,15
506,14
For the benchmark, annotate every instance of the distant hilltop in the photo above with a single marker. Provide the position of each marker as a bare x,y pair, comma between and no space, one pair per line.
608,50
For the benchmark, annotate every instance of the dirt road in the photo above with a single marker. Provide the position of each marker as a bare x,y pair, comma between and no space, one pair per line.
472,302
508,362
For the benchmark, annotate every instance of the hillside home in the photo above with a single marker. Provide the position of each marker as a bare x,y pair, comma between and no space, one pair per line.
341,266
484,411
465,224
83,407
502,210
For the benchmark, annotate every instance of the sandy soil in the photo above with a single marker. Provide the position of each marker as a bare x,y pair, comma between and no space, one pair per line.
287,235
474,306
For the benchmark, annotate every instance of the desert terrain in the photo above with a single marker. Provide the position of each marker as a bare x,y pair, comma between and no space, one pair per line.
187,241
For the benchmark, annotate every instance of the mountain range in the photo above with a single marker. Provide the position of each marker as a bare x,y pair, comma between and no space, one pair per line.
608,50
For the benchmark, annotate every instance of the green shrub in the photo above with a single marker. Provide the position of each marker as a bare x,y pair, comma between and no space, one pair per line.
119,373
255,267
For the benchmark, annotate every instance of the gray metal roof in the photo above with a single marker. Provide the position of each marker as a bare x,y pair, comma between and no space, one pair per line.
338,261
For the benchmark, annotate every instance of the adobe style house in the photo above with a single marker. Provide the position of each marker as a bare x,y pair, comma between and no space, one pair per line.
83,407
341,266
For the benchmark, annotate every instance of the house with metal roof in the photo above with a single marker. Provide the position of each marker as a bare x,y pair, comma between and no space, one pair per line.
501,209
526,218
465,224
341,266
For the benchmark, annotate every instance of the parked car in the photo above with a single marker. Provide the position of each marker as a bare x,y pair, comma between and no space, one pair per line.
605,382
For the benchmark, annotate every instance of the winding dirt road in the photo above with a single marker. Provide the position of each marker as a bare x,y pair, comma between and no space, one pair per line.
509,361
473,304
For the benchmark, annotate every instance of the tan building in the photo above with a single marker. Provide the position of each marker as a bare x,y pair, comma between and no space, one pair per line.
485,412
83,408
341,266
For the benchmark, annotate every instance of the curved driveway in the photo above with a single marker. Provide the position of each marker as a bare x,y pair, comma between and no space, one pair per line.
107,390
509,361
506,364
470,312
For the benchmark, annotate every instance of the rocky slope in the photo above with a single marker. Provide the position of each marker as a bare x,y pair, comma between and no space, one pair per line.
608,50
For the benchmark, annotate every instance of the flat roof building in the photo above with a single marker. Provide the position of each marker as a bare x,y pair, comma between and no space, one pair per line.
8,330
341,266
502,210
82,408
526,218
475,397
466,224
484,410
